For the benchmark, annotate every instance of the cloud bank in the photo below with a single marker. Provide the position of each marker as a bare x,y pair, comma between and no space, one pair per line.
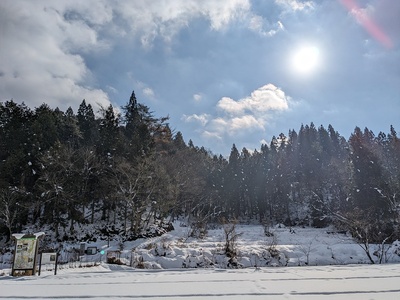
45,43
238,117
39,59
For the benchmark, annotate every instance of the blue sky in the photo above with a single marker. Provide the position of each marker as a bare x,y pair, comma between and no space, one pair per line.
224,71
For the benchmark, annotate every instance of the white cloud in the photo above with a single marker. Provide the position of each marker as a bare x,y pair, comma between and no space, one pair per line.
245,122
219,125
267,97
257,23
197,97
295,5
248,115
211,135
148,92
39,59
152,19
111,89
277,27
44,42
231,106
238,125
202,119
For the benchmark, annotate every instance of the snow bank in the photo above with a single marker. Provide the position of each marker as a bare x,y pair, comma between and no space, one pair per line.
294,246
286,247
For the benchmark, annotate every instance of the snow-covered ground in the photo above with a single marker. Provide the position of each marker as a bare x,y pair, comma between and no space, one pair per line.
292,263
116,282
286,247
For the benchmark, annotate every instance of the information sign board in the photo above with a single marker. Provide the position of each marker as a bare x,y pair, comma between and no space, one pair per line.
26,249
48,258
25,253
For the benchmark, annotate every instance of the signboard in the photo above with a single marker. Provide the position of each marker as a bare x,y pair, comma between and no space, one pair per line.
48,258
25,253
91,250
26,249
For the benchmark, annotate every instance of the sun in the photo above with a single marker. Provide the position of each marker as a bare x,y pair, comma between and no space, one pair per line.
305,59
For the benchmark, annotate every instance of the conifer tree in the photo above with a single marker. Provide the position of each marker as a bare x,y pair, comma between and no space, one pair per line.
109,132
368,176
87,123
233,183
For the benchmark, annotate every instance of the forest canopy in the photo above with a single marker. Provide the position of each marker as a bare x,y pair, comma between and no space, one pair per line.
127,173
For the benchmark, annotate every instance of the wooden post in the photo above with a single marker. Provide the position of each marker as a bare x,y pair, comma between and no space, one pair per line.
35,257
40,264
55,267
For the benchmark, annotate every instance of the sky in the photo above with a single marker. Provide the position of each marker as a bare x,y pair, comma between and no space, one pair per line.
225,72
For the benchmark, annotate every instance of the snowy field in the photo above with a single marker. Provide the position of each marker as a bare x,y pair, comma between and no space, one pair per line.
115,282
292,263
286,247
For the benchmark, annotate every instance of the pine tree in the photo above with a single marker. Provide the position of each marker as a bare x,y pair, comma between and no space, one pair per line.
233,184
141,128
131,117
178,141
67,127
109,132
263,167
87,124
15,143
368,176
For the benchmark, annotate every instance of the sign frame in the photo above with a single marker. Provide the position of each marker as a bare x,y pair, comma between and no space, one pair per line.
25,253
47,258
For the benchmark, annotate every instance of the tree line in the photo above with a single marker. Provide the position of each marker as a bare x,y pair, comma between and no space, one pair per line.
129,172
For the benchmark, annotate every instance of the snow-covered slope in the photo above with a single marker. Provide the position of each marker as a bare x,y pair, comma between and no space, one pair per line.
284,246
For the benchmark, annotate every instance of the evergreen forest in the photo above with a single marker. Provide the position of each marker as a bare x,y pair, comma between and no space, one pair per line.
129,174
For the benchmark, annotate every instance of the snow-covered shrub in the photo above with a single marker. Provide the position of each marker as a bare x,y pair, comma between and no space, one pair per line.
396,247
137,261
114,257
385,252
234,263
267,231
161,248
231,237
198,229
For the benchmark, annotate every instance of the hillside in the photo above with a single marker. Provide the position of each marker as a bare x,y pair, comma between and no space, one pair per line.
87,177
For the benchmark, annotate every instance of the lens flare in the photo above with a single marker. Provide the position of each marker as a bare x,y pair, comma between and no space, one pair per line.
368,23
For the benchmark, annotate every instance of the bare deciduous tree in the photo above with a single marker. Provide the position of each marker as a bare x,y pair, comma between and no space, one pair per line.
231,237
8,208
366,230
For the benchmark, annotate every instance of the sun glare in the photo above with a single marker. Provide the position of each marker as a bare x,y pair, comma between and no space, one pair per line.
305,59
